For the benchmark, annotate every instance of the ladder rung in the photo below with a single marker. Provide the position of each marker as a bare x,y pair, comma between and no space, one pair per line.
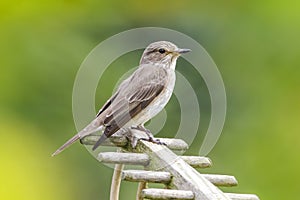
121,141
197,161
234,196
113,140
221,180
174,144
124,158
147,176
167,194
165,177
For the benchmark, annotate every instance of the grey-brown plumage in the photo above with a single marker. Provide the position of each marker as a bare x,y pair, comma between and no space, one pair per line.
138,98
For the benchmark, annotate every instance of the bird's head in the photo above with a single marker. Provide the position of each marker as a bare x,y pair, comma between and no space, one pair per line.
162,53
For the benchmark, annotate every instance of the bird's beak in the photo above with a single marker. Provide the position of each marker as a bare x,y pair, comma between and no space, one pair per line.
181,51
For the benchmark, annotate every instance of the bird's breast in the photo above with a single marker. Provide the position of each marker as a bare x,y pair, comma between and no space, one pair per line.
159,102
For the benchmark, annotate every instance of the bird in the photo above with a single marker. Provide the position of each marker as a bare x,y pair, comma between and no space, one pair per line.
139,97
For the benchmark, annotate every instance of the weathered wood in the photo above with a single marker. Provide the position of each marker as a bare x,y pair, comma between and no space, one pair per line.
197,161
165,177
221,180
119,141
122,141
168,168
142,185
175,144
124,158
167,194
184,176
234,196
148,176
116,182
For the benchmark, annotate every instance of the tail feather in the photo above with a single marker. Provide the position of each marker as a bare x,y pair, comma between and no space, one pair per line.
99,142
89,129
67,144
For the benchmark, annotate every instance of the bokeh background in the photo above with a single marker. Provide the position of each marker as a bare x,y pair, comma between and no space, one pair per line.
42,44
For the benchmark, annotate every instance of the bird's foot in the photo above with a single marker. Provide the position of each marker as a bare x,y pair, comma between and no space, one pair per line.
150,136
140,128
81,141
153,140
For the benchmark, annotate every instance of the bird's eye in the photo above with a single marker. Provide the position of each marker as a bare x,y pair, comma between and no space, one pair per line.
162,51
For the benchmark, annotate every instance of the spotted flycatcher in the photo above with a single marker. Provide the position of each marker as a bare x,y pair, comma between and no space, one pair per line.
138,98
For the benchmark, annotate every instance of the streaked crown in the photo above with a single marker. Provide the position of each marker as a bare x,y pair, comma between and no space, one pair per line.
162,53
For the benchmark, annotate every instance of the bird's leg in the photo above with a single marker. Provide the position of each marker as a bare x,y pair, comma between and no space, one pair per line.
149,134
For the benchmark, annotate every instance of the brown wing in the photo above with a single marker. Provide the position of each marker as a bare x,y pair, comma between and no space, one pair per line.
112,98
133,95
107,104
130,107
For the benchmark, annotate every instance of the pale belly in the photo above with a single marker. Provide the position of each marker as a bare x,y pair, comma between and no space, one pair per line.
156,105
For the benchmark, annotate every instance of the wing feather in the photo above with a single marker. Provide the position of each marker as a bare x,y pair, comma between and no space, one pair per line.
142,88
133,95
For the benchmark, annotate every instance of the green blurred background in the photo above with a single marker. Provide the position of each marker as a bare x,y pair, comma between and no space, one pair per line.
255,45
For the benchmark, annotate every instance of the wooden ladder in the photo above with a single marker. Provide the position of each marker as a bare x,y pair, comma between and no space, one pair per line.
162,165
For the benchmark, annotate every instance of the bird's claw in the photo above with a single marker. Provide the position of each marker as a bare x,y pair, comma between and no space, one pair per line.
154,141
